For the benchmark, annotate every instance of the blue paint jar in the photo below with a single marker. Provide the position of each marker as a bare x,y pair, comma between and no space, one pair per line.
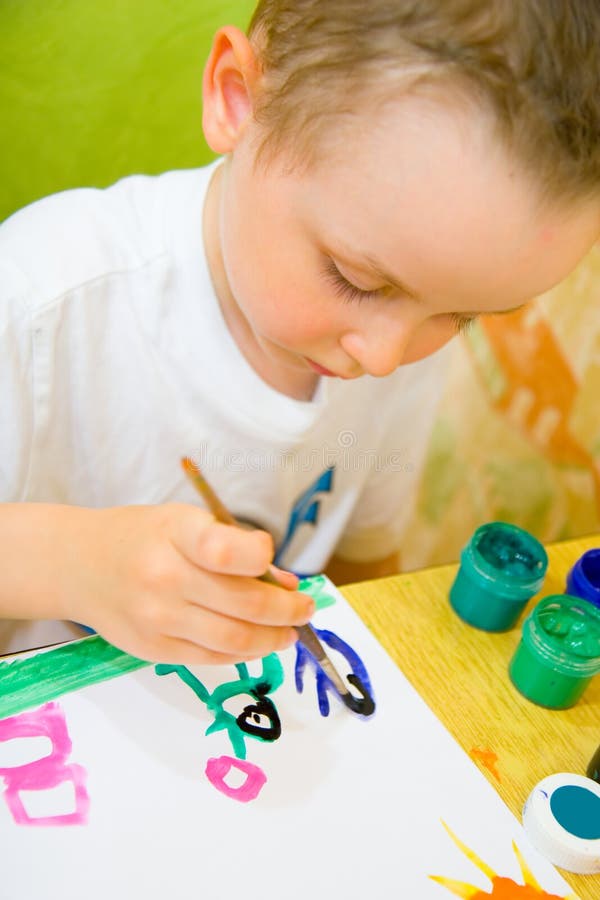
584,578
501,568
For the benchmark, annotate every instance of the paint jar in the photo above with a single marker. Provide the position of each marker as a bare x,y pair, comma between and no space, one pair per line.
584,578
562,819
501,568
593,770
559,652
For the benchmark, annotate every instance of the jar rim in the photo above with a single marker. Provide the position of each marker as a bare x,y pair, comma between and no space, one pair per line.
549,649
486,567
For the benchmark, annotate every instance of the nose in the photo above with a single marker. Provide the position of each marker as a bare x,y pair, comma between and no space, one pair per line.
379,345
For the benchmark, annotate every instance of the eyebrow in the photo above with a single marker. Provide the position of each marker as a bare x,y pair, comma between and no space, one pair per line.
379,270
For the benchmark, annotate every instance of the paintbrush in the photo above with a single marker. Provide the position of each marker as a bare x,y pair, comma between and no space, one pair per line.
306,633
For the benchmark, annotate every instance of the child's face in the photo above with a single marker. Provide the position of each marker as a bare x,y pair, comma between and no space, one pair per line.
413,221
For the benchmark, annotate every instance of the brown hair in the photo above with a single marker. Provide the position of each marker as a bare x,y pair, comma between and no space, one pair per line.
534,63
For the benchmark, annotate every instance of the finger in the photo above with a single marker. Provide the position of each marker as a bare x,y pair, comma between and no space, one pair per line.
176,650
165,648
235,637
222,548
286,579
248,599
179,652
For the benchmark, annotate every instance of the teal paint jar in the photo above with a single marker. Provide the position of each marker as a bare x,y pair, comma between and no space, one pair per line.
501,568
583,579
559,652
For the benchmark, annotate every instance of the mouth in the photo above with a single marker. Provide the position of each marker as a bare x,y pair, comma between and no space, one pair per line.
321,370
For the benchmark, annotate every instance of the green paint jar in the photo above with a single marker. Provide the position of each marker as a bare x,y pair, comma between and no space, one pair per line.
559,652
501,568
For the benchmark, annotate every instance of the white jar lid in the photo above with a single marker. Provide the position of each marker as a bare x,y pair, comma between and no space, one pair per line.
562,820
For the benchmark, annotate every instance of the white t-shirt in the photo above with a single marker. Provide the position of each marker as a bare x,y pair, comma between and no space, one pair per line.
115,361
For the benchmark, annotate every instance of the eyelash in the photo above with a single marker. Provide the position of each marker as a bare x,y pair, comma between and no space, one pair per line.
462,324
351,293
344,288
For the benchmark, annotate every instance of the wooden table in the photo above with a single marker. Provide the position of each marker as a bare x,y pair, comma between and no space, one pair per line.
461,673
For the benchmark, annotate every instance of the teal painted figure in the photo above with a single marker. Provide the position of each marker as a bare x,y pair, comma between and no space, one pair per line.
258,719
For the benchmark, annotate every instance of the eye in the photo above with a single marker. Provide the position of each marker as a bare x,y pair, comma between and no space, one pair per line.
462,324
344,288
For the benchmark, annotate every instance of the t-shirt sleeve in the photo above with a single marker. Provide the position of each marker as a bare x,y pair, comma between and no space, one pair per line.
16,381
385,505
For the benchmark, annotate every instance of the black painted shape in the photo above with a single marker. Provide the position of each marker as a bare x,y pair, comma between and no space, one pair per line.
263,707
364,705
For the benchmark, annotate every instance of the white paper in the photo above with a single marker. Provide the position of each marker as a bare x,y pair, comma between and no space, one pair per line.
351,807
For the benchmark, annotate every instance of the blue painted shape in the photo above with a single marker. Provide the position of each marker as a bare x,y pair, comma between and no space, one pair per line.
305,510
577,809
324,684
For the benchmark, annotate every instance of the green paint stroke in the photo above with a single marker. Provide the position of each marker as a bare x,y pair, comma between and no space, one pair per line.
26,682
33,680
317,587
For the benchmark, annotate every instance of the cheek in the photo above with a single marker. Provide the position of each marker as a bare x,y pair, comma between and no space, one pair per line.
431,336
272,272
292,319
285,309
281,311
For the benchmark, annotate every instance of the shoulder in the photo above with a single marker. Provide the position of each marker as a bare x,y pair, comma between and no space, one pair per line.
67,240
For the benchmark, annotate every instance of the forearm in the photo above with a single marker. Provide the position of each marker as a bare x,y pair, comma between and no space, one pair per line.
39,546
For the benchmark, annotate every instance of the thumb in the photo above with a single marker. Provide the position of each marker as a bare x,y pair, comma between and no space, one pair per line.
221,548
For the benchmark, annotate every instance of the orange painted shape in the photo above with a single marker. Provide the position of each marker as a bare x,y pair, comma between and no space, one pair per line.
502,888
487,758
507,889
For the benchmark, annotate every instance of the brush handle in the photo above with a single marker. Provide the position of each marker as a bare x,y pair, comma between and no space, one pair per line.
306,633
307,636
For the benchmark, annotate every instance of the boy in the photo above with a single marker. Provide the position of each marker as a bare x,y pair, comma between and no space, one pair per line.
390,171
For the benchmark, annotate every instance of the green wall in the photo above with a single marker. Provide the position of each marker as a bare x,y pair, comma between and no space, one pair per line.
91,90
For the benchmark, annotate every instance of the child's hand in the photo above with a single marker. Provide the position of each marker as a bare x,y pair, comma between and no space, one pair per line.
169,584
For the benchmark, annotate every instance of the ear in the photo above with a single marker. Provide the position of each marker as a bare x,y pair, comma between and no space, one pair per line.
230,79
